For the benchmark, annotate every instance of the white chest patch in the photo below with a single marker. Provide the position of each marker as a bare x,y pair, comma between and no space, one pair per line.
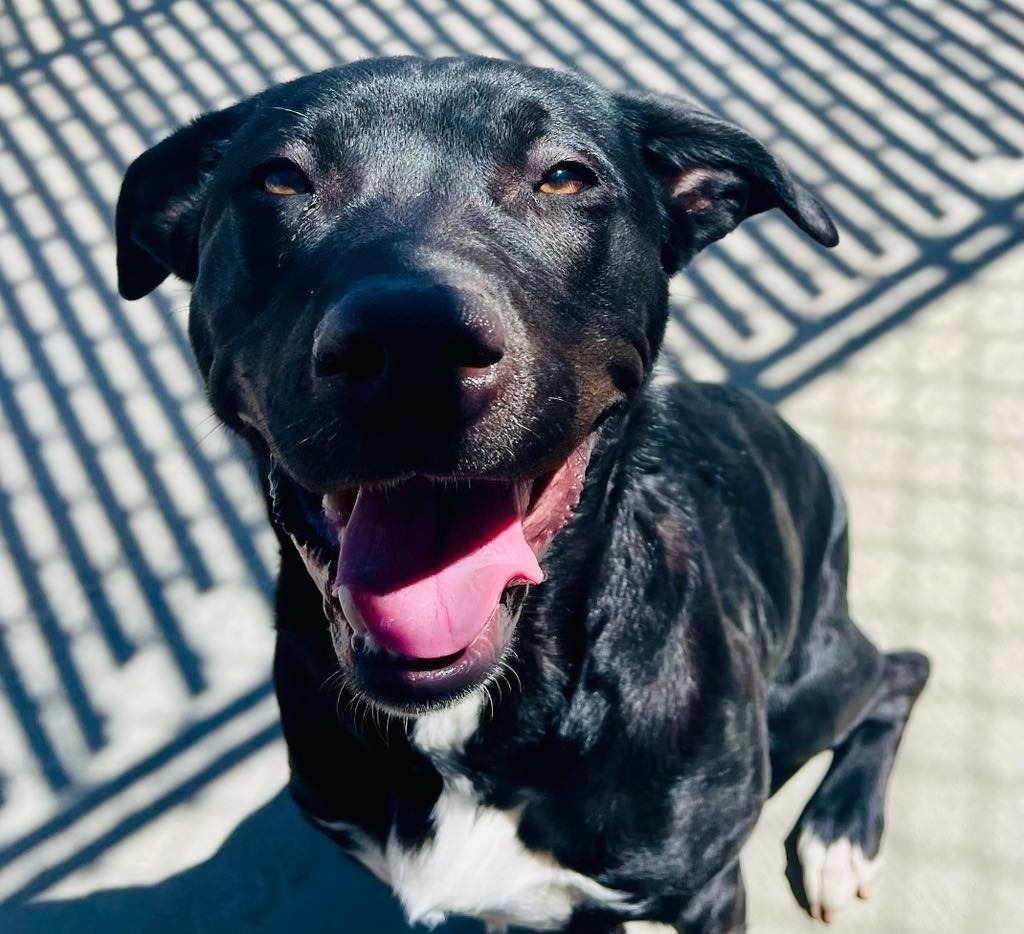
444,733
474,863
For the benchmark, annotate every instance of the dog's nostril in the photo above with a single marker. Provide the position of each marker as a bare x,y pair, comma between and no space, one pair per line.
360,356
386,339
470,352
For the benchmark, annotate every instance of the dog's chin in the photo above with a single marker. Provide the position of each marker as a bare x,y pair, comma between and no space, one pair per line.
400,647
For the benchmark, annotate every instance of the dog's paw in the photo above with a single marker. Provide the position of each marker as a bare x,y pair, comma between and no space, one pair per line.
833,872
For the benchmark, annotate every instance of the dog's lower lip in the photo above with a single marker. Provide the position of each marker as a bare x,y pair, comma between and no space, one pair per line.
403,662
401,682
403,666
428,664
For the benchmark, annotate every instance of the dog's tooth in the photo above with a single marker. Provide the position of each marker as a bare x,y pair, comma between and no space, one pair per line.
358,642
522,495
349,608
333,506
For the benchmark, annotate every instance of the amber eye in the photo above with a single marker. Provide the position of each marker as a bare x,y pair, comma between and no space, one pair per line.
280,177
566,178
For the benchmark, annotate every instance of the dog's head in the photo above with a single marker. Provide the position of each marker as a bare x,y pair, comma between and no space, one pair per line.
419,288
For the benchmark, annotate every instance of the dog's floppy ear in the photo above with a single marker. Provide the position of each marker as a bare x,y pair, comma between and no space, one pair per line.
161,203
712,175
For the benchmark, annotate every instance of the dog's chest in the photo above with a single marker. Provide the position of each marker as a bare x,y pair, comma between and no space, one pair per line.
473,863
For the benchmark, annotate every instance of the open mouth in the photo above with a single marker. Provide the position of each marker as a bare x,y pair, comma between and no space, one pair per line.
422,581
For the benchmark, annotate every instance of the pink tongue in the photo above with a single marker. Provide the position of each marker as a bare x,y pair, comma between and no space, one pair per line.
422,567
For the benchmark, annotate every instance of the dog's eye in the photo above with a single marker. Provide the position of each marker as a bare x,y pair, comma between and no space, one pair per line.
566,178
280,177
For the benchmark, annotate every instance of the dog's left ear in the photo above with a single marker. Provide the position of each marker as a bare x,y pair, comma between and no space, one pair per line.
161,203
712,175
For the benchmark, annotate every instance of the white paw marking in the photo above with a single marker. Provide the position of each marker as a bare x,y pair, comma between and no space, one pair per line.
649,927
833,873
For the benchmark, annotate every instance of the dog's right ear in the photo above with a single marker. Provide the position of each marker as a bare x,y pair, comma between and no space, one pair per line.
161,203
711,175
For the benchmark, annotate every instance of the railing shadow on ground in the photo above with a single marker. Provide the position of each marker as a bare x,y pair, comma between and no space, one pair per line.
873,107
241,889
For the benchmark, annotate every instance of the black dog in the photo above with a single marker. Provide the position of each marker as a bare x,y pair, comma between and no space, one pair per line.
549,634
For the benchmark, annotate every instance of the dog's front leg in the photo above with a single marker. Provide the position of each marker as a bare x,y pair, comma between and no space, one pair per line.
719,908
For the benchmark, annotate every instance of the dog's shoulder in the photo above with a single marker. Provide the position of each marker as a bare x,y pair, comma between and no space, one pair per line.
723,506
715,425
735,456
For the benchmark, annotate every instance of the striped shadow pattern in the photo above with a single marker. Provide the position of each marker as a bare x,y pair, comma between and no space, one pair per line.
135,563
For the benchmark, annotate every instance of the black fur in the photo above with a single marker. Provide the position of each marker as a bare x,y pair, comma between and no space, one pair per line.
691,645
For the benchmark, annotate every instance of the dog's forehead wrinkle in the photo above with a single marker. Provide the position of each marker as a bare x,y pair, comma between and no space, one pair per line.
496,103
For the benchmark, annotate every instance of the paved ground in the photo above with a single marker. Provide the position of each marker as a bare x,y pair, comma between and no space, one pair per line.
136,724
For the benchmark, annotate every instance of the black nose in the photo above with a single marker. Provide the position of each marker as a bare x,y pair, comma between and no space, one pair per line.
390,336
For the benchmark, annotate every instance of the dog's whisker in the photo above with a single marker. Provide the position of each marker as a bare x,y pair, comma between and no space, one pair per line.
511,670
334,676
490,700
193,449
